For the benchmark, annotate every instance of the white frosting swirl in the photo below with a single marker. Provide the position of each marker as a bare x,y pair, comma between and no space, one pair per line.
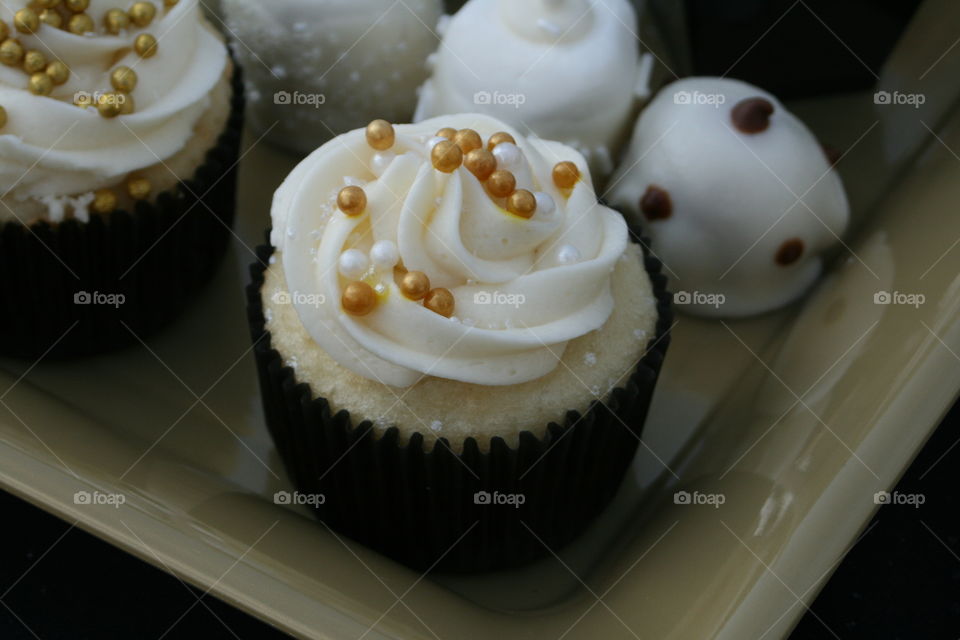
523,288
49,147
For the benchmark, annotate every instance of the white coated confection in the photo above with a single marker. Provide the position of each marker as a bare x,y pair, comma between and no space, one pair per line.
317,68
739,214
565,70
516,304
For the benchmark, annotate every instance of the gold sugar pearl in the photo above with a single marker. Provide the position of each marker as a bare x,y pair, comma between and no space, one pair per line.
468,140
26,21
480,163
501,183
170,3
499,138
40,84
414,284
46,4
138,187
116,20
446,156
51,17
3,117
565,174
141,13
352,200
447,132
440,301
126,105
522,203
104,201
4,30
11,52
76,6
358,298
123,79
108,104
380,135
34,61
80,23
145,45
58,72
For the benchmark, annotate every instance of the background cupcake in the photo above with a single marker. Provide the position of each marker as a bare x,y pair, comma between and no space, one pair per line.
454,339
120,128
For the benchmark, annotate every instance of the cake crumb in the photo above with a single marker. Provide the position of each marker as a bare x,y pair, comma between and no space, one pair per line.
590,359
436,426
639,334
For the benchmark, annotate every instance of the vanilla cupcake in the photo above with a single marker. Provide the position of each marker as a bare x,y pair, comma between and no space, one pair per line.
119,132
447,315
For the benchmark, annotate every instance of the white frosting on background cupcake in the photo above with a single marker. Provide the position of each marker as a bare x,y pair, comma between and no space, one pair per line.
523,287
50,148
318,68
566,70
736,194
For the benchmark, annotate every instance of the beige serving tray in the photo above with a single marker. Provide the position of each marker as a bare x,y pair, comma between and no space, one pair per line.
792,420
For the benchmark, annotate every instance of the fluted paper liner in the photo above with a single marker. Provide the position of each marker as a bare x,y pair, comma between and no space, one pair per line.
61,275
419,505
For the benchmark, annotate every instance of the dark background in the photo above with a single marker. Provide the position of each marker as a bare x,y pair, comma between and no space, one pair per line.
899,581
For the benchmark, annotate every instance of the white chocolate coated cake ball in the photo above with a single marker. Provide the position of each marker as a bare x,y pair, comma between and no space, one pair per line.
736,194
317,68
566,70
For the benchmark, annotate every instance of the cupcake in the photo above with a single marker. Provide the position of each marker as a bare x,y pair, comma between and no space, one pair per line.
566,70
119,132
736,194
455,340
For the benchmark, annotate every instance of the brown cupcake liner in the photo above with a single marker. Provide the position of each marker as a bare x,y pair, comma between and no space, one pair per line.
138,269
419,504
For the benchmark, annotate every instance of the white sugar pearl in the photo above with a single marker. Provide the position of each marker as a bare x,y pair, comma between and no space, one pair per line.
352,264
434,141
568,254
384,255
380,162
508,155
545,204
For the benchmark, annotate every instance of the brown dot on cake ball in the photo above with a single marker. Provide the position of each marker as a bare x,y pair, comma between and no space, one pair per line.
832,153
655,203
789,252
752,115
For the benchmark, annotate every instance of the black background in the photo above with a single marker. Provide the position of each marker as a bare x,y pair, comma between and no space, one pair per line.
899,581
